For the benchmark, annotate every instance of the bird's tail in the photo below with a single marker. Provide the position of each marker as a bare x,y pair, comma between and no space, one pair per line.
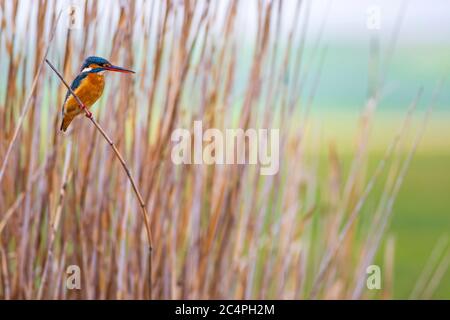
65,122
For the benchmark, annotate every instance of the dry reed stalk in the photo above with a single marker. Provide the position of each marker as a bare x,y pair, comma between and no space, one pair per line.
27,104
125,167
427,271
379,220
4,279
19,199
387,206
331,253
59,274
55,219
439,273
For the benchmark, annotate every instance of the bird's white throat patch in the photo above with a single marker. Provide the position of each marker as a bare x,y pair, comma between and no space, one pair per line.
87,69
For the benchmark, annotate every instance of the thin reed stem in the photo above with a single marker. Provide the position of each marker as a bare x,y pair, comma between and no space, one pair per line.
127,171
54,221
27,104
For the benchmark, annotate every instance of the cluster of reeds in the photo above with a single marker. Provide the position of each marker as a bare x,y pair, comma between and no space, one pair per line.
219,231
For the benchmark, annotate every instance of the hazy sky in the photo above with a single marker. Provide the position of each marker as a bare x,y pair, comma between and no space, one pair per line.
424,21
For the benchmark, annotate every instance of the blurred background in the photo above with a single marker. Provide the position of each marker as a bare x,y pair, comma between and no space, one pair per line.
348,83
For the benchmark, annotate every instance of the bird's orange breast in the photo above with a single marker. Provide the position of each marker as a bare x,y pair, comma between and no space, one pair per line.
89,91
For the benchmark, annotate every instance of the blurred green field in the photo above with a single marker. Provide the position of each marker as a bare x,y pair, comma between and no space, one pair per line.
421,213
421,217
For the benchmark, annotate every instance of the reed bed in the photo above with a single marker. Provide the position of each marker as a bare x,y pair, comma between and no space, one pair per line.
219,231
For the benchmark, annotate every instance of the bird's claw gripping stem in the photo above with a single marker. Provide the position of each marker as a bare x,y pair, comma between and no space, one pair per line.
88,113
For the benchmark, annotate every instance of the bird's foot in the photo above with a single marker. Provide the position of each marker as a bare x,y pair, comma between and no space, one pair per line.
87,112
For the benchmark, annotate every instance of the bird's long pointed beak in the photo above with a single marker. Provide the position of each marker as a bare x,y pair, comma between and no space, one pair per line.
118,69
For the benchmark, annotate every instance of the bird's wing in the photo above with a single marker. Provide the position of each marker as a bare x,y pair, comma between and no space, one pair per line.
75,84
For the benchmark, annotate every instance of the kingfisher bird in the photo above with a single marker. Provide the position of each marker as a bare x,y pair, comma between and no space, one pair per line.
88,86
